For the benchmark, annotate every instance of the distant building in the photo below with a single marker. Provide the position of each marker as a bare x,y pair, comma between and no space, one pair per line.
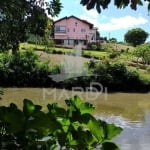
69,31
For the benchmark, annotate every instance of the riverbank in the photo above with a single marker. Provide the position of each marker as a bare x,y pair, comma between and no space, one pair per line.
111,69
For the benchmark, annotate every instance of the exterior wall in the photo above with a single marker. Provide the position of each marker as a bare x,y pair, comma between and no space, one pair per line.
60,35
75,29
72,30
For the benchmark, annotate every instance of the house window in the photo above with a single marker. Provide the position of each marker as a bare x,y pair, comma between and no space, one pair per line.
76,23
61,29
83,30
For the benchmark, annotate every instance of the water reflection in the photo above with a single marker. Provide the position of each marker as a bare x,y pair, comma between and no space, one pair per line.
135,135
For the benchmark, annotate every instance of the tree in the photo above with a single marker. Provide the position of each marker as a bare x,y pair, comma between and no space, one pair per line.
113,40
17,18
136,36
143,51
103,4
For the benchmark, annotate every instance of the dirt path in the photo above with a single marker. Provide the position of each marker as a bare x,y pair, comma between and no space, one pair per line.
54,58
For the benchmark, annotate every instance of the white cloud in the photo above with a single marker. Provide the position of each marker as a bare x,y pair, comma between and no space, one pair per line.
112,24
123,23
91,13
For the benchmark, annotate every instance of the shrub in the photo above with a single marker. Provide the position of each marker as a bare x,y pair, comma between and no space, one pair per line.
1,93
118,78
72,128
114,55
94,46
24,69
46,40
143,51
148,69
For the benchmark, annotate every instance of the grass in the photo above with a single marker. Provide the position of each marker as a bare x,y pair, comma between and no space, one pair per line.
91,53
145,76
97,54
27,46
126,55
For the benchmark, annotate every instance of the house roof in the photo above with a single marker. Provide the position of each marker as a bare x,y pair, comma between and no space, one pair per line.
90,24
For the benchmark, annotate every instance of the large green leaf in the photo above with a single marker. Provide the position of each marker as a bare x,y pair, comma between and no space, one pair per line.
43,124
29,108
86,138
65,124
109,146
56,110
110,130
12,118
95,129
86,108
93,126
75,104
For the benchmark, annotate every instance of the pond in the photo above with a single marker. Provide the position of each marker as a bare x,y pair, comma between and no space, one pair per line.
131,111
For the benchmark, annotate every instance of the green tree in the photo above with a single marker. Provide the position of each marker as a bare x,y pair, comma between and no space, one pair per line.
143,51
17,18
113,40
37,22
136,36
103,4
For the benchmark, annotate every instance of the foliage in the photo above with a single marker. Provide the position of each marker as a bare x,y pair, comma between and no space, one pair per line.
1,93
136,36
113,40
24,69
94,46
17,18
103,4
92,63
143,51
59,128
38,21
117,77
45,41
114,55
148,69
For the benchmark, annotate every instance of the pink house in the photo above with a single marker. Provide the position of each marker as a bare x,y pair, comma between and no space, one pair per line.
69,31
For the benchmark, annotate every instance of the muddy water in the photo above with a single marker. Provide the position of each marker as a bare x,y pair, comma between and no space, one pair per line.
131,111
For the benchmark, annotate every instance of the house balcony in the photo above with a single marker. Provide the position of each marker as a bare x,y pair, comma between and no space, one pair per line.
60,35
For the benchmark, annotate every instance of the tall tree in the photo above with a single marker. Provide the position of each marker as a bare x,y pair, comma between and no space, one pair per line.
103,4
136,36
17,17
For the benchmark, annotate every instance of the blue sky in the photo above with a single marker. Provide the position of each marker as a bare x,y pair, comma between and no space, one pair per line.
111,22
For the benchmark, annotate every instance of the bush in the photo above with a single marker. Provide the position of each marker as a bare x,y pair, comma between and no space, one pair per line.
143,51
118,78
1,93
72,128
46,41
94,46
114,55
148,69
24,69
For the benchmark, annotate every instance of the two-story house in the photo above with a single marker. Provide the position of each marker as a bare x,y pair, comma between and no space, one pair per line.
69,31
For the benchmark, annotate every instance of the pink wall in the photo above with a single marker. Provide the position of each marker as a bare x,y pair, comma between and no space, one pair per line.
73,29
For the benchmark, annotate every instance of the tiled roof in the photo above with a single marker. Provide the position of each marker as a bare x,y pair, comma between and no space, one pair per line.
85,21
